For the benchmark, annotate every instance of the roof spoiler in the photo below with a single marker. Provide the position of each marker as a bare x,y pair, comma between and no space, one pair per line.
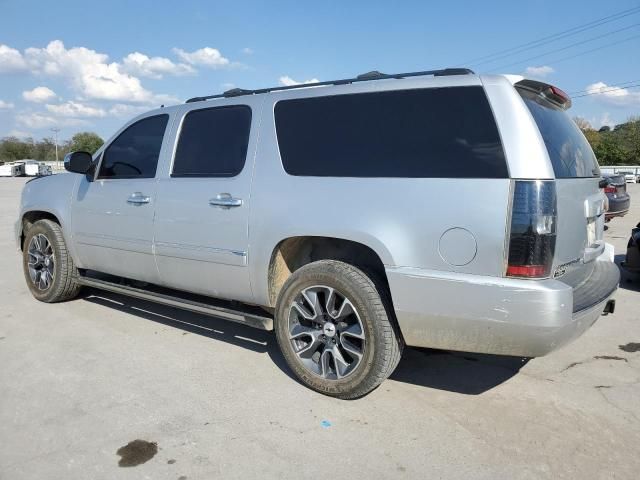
549,92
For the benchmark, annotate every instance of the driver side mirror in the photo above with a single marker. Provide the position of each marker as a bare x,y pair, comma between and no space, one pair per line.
79,162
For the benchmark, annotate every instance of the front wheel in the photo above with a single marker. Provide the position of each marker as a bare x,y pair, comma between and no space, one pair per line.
48,268
336,330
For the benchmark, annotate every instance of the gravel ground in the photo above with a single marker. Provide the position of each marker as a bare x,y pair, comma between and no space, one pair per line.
105,387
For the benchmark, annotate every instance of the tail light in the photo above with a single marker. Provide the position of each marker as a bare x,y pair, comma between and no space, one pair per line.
532,239
609,189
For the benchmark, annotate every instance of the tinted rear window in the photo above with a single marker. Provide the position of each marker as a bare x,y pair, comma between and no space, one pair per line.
426,133
213,142
569,151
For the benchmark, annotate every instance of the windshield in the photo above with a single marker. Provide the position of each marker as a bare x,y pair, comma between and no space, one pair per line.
568,149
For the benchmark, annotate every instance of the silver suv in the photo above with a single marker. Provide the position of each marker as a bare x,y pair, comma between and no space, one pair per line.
436,209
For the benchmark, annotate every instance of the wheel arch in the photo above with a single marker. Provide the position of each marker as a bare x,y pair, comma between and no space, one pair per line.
291,253
30,217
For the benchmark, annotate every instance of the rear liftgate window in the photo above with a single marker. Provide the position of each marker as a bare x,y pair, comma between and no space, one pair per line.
426,133
568,149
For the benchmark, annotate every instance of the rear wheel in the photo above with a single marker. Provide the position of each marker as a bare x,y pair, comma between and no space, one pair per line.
48,268
335,330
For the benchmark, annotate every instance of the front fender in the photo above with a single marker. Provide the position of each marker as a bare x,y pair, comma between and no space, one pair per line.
50,195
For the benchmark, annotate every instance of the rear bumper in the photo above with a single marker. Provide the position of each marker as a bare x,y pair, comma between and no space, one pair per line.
504,316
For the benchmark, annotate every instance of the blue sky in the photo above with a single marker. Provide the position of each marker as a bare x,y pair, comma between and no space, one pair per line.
91,66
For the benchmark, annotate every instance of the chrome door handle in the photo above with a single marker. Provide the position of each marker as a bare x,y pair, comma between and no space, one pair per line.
225,200
137,198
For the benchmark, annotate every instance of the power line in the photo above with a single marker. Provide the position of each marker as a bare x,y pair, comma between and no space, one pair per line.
553,62
619,84
576,44
551,38
606,90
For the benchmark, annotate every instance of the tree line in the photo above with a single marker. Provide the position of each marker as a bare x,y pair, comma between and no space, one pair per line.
619,145
13,148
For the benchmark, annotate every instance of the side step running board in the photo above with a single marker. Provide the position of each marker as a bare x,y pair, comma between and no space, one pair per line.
251,319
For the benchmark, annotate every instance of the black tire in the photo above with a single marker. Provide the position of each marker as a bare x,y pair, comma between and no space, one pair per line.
383,343
64,285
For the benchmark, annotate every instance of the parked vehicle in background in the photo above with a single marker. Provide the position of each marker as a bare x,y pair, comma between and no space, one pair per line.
618,200
631,262
629,177
34,168
12,169
316,210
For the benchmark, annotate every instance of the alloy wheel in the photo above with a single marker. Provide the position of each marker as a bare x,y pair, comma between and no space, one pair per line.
41,261
326,332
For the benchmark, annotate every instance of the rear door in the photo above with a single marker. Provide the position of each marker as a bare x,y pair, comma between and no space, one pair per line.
202,214
580,203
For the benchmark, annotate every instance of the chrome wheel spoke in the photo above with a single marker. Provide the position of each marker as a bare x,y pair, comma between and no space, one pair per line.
313,301
325,363
354,330
351,349
303,311
341,365
346,309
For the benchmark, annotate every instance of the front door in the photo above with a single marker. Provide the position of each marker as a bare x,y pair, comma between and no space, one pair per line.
203,199
112,216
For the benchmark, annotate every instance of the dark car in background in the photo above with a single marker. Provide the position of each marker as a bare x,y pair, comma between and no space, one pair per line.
616,191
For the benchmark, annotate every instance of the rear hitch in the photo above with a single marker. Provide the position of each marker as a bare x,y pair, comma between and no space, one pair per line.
610,307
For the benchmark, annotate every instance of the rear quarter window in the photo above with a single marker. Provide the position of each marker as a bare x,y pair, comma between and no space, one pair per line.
423,133
568,149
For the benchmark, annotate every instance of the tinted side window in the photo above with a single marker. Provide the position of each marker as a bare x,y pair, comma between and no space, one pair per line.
568,149
213,142
134,154
426,133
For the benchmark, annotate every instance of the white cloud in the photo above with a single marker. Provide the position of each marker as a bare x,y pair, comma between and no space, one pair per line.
90,73
74,110
11,60
208,57
39,94
124,110
39,120
540,72
247,51
138,63
6,105
288,81
613,95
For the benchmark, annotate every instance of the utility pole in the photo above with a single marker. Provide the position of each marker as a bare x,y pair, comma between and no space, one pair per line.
56,130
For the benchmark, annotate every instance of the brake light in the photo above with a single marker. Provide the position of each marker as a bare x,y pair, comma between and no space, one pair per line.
532,239
560,93
551,93
609,189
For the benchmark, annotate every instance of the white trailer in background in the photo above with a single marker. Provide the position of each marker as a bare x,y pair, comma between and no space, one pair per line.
34,168
12,169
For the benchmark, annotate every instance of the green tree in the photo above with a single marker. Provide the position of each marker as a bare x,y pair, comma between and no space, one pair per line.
12,148
85,142
609,151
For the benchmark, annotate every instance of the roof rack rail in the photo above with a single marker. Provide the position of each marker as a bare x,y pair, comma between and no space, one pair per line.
373,75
